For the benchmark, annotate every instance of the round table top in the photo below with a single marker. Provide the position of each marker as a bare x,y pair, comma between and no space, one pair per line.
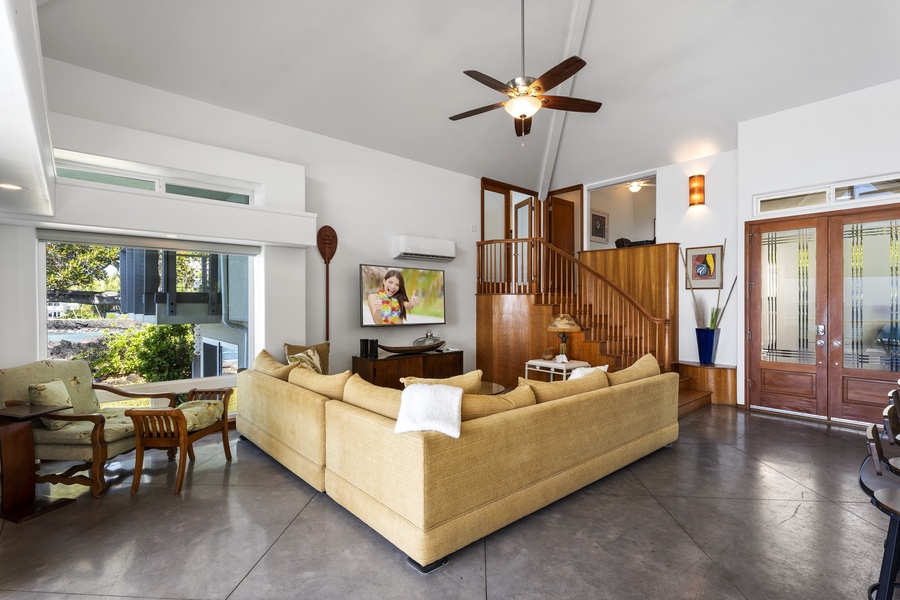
489,388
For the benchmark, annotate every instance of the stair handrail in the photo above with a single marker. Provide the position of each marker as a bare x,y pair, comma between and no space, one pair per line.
535,284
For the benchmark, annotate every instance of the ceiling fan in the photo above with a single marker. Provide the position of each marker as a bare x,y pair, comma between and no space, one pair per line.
526,94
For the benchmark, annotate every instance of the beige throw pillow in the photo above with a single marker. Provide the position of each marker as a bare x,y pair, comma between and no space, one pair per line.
265,363
545,391
308,359
381,400
646,366
475,406
330,386
321,349
53,393
469,382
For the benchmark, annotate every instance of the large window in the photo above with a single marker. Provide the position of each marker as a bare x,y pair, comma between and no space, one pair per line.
148,314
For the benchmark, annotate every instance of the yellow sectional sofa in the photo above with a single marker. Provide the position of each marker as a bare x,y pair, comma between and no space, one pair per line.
431,494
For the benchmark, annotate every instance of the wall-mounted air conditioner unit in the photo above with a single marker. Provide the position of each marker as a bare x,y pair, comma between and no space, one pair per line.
417,248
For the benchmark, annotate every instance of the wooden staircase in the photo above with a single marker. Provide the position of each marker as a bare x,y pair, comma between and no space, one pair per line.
524,284
690,399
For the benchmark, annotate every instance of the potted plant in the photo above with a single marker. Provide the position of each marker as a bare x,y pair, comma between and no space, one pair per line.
707,335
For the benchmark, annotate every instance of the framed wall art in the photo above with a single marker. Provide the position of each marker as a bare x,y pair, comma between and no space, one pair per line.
599,226
704,268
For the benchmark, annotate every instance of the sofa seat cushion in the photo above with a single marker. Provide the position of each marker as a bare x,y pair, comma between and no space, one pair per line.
75,374
52,393
469,382
645,366
330,386
117,427
267,364
321,350
200,414
545,391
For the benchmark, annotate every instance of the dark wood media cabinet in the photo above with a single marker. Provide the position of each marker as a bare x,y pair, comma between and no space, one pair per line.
387,370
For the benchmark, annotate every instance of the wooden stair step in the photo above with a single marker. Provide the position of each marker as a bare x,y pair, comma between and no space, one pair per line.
691,400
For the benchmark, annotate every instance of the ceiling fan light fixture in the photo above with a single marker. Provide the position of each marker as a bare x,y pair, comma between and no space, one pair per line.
522,107
635,186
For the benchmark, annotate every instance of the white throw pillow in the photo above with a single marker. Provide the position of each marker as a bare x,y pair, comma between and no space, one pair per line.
430,408
582,371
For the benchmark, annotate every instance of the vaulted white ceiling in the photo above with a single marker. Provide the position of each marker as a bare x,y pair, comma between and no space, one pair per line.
675,78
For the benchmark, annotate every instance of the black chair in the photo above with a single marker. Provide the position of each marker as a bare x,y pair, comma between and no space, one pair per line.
887,500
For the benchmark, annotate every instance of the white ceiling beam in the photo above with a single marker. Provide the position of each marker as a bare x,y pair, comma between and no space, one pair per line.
580,14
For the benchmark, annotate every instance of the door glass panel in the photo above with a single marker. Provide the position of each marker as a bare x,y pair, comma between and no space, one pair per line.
788,308
871,290
494,221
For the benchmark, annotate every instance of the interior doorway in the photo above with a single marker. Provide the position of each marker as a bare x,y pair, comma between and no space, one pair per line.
823,313
627,210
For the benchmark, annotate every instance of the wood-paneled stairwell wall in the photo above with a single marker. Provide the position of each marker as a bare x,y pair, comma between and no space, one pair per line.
625,300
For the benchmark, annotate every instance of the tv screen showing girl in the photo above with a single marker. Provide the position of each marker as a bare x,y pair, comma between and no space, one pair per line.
401,296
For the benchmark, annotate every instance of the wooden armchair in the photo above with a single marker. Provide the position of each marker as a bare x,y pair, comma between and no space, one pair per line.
88,434
203,412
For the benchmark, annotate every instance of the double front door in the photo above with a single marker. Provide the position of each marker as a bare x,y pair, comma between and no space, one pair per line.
823,313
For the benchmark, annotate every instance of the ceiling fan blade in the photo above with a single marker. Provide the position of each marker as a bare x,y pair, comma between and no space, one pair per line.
476,111
572,104
558,74
523,126
489,81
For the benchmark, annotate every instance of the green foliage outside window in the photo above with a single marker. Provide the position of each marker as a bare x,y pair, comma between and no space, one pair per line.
155,352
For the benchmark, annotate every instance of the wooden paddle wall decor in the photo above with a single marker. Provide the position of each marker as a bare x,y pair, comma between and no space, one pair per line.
327,241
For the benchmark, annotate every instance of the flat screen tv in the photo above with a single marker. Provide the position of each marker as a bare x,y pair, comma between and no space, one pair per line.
401,296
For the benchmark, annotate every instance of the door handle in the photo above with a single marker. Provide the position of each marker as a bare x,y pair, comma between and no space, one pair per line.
820,342
820,330
836,343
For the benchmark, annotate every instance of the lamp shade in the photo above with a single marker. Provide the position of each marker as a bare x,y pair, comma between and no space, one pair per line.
564,324
697,185
522,107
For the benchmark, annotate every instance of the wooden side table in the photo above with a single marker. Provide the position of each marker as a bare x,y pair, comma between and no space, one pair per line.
18,501
553,368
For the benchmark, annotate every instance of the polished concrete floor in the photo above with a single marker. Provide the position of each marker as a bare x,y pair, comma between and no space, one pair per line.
744,505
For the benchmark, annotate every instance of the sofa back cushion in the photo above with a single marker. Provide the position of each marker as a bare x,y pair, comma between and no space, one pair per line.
268,365
646,366
75,374
321,349
330,386
374,398
475,406
545,391
469,382
386,401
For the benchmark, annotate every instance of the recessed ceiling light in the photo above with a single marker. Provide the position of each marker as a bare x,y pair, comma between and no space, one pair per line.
171,235
10,186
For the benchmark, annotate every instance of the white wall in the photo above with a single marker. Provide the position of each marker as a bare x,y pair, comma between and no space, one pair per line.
631,214
19,300
712,224
367,196
852,136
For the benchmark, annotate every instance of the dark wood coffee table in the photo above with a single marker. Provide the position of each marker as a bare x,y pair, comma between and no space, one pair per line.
18,501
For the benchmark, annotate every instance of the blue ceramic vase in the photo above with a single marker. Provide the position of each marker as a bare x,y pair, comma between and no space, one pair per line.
707,342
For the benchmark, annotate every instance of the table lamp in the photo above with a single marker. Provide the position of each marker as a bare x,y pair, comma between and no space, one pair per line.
562,325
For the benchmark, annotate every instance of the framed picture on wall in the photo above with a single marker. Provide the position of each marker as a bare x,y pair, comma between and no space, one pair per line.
599,226
704,268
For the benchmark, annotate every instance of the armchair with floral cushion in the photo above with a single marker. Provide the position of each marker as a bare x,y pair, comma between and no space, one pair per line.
86,433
